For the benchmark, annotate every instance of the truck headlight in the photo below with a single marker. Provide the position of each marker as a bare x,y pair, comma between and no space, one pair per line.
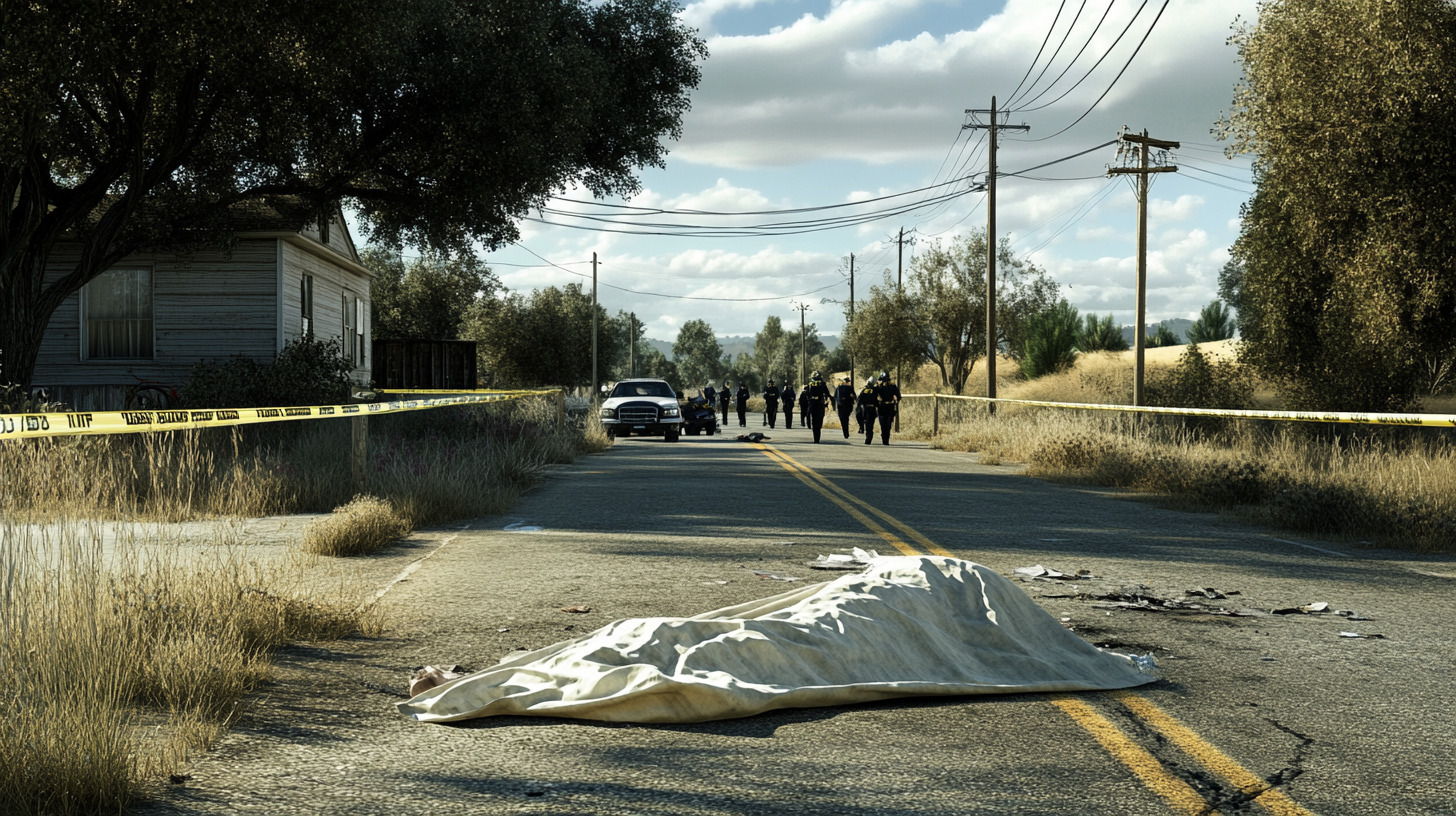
609,413
667,412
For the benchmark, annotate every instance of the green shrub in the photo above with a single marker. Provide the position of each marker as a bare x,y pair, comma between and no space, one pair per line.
306,372
1100,334
1051,341
1162,338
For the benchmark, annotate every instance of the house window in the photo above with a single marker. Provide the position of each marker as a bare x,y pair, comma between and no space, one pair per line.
305,296
347,340
117,315
359,332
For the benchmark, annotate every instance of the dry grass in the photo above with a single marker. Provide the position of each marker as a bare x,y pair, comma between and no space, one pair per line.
365,525
117,663
432,466
1390,487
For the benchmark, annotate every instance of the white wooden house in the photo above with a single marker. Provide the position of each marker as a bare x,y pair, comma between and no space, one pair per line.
148,319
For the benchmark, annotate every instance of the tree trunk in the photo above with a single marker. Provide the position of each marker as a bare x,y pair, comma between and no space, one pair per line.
25,311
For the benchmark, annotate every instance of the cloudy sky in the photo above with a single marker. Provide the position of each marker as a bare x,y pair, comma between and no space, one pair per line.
807,103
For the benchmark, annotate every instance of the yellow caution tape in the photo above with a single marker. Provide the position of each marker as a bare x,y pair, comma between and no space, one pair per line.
95,423
1411,420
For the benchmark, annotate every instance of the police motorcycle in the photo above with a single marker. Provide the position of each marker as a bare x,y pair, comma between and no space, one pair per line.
698,416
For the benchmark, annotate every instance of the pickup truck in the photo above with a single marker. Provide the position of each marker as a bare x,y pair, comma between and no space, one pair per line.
642,406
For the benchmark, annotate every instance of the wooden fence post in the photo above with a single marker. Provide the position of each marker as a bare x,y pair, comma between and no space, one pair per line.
359,449
935,415
561,411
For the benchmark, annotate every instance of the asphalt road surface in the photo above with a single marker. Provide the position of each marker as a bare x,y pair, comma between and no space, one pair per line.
1269,714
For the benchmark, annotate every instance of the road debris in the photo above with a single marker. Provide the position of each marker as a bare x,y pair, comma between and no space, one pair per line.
1140,602
856,560
1212,594
1039,571
753,437
522,527
1307,609
1360,636
769,576
576,609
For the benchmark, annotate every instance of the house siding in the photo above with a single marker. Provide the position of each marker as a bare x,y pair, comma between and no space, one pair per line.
204,305
330,281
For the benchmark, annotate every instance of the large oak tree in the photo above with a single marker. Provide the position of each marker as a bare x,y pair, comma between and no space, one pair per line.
132,125
1348,291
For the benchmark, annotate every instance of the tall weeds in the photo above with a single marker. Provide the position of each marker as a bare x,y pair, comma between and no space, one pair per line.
434,465
98,640
1389,487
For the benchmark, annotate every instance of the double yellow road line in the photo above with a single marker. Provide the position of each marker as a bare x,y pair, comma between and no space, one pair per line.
1174,790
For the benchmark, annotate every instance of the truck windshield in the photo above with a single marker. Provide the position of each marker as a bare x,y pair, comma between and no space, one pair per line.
643,389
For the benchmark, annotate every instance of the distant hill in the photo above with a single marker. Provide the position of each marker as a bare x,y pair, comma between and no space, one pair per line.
1179,325
735,345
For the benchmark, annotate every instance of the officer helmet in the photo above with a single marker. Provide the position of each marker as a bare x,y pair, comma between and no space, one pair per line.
884,376
869,381
814,376
770,382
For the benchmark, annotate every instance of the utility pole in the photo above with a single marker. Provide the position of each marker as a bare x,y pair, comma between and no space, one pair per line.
1142,171
803,361
993,124
594,390
899,289
632,342
851,315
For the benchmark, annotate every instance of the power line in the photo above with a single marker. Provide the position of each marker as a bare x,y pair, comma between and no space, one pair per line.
1044,41
1053,58
1099,61
1114,79
646,211
1074,59
679,297
1214,183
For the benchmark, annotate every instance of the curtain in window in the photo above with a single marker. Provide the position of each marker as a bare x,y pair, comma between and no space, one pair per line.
119,314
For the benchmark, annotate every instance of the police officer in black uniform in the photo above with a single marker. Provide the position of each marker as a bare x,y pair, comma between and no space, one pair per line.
887,404
709,393
741,400
771,404
724,397
789,395
867,410
816,400
844,404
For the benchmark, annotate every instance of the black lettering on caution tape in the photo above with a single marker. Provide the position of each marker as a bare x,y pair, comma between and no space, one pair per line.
227,414
297,412
200,416
78,420
326,410
37,423
136,417
351,409
169,417
269,412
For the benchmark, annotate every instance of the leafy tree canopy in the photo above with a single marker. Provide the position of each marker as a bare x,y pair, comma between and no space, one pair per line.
1163,336
1100,334
1214,323
427,298
129,126
541,339
1051,341
698,356
1347,108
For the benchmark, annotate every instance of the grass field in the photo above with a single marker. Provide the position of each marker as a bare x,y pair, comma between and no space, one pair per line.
1390,487
119,660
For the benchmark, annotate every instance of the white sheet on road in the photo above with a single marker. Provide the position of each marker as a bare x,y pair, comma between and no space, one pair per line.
905,627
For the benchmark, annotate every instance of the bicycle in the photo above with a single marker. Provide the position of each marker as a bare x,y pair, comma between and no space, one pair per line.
150,395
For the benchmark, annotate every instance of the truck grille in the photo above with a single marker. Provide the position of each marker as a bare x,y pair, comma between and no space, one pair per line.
637,413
